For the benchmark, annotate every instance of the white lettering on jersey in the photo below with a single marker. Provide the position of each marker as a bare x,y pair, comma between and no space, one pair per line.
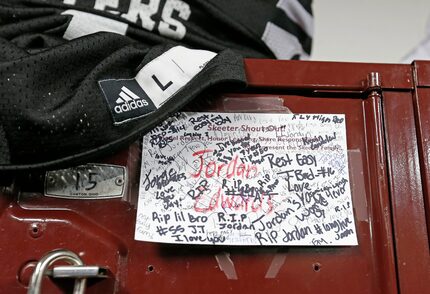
171,27
137,10
102,4
84,23
143,11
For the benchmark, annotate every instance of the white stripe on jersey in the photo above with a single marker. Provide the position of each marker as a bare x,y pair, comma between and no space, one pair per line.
282,43
297,13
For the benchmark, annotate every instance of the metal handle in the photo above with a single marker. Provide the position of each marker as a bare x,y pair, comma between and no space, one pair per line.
77,271
41,270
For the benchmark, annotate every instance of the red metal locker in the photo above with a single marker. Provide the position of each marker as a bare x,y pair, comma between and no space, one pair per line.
408,133
381,147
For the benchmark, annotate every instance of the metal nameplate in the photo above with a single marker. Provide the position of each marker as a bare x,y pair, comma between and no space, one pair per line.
89,181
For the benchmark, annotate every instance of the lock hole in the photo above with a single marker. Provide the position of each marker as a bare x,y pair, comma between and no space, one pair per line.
150,268
35,230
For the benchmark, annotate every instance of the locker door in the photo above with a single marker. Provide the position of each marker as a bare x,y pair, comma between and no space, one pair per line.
101,231
410,166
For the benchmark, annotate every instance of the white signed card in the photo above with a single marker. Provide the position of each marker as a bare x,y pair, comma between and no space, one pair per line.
246,179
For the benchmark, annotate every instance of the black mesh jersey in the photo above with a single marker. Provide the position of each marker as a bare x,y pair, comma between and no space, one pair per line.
255,28
81,78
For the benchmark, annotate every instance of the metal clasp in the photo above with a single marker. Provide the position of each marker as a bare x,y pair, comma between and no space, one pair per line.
76,270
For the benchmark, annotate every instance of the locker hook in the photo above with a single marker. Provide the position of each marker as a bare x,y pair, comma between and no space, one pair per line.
42,266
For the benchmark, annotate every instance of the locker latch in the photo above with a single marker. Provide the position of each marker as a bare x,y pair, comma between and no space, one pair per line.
76,270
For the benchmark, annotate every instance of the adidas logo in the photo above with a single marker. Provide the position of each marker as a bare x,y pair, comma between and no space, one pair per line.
127,101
